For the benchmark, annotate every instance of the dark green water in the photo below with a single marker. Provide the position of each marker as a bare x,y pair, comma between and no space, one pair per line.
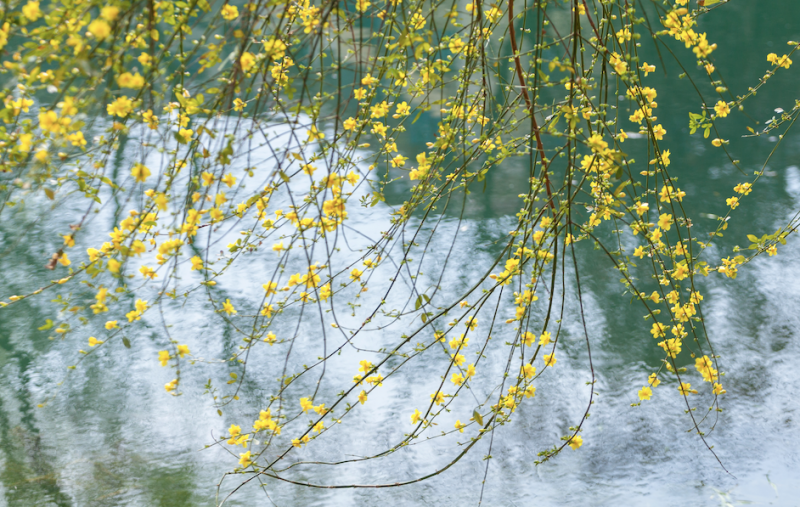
112,436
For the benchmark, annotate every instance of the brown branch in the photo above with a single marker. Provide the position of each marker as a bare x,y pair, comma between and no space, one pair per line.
528,103
589,17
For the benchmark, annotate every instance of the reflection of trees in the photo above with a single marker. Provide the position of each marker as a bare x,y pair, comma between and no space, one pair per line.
28,473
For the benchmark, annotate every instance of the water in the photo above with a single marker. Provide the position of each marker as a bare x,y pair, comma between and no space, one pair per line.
111,436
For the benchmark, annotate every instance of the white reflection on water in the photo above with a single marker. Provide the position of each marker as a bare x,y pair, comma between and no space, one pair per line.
113,437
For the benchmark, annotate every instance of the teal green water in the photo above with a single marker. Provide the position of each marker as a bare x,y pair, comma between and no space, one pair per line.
112,437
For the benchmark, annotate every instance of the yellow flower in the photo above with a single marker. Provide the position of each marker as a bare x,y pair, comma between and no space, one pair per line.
100,29
113,265
94,341
314,134
665,221
722,109
528,371
743,188
550,359
418,21
247,60
48,121
402,110
398,161
140,172
128,80
460,427
470,371
275,48
647,68
234,431
229,179
415,417
183,350
456,45
197,263
109,13
783,61
228,308
576,441
148,272
230,12
111,324
362,397
120,107
645,393
31,11
163,357
620,66
244,459
186,134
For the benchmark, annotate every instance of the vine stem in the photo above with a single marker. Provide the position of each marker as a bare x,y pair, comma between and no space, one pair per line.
528,103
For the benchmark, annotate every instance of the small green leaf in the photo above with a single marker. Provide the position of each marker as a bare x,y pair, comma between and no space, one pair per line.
126,342
477,416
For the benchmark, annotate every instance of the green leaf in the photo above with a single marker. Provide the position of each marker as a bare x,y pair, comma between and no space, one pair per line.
126,342
752,238
477,416
48,324
179,138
